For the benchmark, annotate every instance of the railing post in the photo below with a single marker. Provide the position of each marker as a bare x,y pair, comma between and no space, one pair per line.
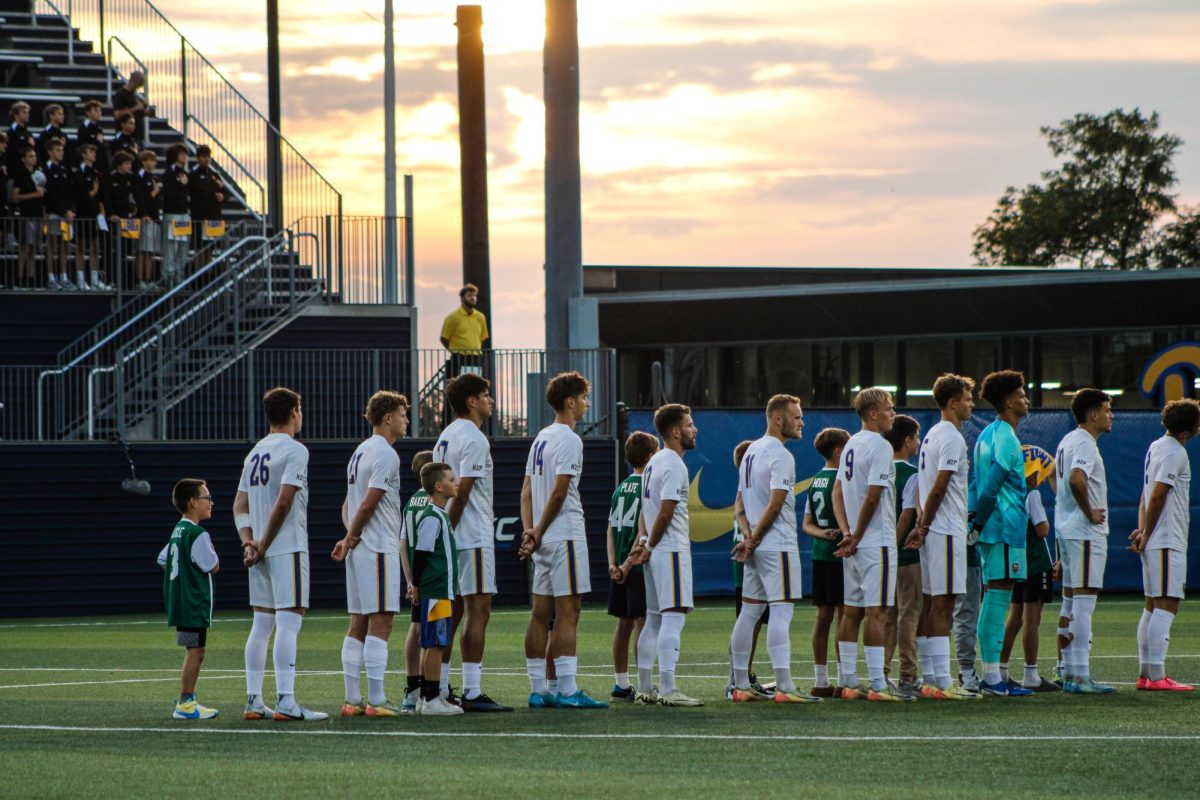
251,395
375,380
161,405
100,12
183,87
328,260
341,243
120,378
410,274
108,68
70,33
292,257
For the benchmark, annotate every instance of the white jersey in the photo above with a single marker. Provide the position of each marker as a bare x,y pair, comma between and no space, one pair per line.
945,450
464,447
666,478
557,450
908,494
277,460
1167,462
1078,450
768,467
867,461
375,465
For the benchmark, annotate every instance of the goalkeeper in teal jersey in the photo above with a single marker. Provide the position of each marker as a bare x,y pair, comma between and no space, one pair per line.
189,562
998,495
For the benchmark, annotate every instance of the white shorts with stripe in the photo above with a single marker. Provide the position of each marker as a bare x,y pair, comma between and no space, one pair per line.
1164,573
280,581
772,576
477,571
372,581
561,569
944,565
870,577
668,578
1083,563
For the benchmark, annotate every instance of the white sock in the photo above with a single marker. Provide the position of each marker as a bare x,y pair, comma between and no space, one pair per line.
874,656
1004,671
939,653
1032,679
622,679
991,671
472,677
848,663
1084,606
1158,636
779,645
742,640
535,668
287,631
925,659
352,664
566,667
552,685
81,278
375,657
95,278
820,676
669,636
1064,656
646,644
444,681
256,651
1143,643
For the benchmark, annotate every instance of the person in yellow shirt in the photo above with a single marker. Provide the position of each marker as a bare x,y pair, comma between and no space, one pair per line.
465,328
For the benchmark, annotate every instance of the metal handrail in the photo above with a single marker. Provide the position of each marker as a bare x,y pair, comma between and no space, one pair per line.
41,399
232,158
91,399
66,18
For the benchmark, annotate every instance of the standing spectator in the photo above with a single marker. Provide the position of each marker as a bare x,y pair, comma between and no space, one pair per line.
60,213
465,328
177,226
126,100
150,210
7,237
91,131
125,141
19,136
29,189
53,117
120,202
89,207
205,188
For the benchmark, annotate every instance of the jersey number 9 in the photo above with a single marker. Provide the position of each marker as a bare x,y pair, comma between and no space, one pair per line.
849,465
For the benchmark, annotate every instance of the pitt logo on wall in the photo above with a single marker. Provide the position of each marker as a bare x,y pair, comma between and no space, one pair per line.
1172,374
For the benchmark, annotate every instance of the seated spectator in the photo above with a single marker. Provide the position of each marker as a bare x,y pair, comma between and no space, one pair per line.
19,136
60,213
177,225
125,141
205,188
53,116
120,202
90,130
89,206
126,100
29,189
149,198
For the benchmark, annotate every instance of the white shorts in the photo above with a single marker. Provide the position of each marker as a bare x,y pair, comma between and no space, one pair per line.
280,581
943,564
870,577
561,569
1082,563
772,576
668,577
477,571
372,581
1164,572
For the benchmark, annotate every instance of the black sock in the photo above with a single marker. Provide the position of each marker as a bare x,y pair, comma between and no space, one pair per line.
429,689
414,682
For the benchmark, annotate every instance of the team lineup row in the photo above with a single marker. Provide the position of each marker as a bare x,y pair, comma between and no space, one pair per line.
868,509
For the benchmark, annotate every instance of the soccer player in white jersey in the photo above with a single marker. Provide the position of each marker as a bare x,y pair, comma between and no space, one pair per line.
865,506
554,538
271,515
666,550
371,551
1162,539
942,471
464,447
1081,529
766,480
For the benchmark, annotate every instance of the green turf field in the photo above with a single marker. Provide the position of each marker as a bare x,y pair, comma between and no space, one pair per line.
85,709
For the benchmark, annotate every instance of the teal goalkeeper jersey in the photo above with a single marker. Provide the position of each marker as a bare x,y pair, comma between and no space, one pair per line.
998,491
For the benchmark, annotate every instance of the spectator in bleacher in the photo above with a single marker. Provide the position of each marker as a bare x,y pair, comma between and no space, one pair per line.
120,202
205,188
150,210
19,136
126,100
177,225
5,189
465,328
60,213
8,238
90,130
29,189
89,206
53,117
125,141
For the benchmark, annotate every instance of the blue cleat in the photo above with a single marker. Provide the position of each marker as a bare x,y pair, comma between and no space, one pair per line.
1086,686
1001,689
580,699
542,700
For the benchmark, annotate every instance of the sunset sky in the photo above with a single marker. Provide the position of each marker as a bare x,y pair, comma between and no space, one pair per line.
763,132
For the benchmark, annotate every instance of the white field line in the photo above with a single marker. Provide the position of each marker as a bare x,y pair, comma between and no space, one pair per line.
624,735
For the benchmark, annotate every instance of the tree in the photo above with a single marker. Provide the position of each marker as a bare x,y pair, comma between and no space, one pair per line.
1179,242
1099,209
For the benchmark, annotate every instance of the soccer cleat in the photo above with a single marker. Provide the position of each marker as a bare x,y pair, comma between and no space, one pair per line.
193,710
257,711
439,707
930,692
767,689
621,693
795,697
385,709
1086,686
824,691
411,699
580,699
1057,677
678,698
298,713
1045,686
749,695
452,697
852,693
1142,682
542,700
911,688
1167,684
354,709
482,703
649,698
1002,689
959,693
889,694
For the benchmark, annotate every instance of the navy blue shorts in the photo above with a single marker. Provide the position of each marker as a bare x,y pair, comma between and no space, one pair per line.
437,622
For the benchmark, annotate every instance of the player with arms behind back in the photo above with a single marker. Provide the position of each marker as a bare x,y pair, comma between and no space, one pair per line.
271,515
555,539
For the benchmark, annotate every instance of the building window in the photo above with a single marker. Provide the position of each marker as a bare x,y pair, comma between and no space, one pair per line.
1122,357
924,361
1066,368
786,369
979,357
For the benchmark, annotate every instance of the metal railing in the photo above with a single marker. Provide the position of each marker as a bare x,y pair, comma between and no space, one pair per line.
357,270
19,409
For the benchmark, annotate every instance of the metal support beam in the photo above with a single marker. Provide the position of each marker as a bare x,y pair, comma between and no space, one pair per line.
275,118
472,143
391,278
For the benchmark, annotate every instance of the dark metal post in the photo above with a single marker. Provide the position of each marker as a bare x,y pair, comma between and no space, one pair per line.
183,86
100,11
391,252
410,268
472,144
275,118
